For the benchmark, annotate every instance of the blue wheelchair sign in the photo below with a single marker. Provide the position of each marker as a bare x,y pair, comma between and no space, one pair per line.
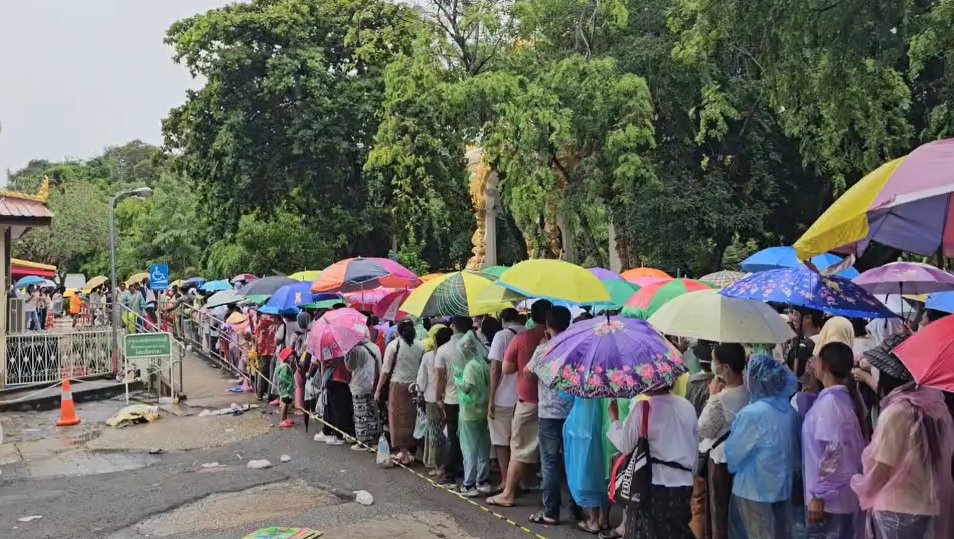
159,276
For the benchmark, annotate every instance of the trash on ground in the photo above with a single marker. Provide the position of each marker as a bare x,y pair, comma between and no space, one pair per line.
363,497
157,451
259,464
284,533
285,458
211,464
133,414
234,409
29,518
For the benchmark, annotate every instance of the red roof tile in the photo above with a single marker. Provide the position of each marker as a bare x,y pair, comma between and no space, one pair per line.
20,209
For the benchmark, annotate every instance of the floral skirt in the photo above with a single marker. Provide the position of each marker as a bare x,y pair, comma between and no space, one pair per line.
434,440
366,426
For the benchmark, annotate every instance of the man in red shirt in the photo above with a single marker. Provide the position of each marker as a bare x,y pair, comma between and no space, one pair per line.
524,439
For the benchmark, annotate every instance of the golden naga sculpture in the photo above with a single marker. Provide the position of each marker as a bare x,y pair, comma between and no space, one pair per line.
42,194
480,174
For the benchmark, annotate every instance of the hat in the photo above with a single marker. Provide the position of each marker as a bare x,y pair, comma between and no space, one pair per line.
882,359
285,354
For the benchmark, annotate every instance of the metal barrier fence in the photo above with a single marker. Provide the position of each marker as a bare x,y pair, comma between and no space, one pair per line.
171,373
41,357
202,332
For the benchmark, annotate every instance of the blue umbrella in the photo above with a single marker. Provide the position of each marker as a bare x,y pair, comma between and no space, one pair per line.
288,299
216,286
785,257
28,280
801,287
941,301
193,281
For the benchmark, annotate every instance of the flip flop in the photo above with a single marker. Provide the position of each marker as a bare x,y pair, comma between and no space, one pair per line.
582,525
540,518
610,534
493,501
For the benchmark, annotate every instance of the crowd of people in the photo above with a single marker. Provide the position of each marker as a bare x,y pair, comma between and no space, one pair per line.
826,436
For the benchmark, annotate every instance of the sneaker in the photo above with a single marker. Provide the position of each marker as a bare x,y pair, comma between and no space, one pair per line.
468,492
287,424
358,447
485,488
320,437
334,441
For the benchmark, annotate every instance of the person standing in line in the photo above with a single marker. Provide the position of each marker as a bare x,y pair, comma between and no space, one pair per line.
402,360
761,452
473,394
434,439
264,334
727,395
125,302
447,361
363,361
286,387
503,390
673,448
30,306
832,443
525,439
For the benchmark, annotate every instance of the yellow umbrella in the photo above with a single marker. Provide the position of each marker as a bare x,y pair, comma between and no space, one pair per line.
95,282
236,318
430,276
137,278
455,294
70,292
305,276
177,283
555,280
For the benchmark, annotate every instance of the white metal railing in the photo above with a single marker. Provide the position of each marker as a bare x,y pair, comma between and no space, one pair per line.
47,357
203,333
167,372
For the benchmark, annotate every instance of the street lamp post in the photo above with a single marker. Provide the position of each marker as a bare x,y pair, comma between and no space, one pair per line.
142,192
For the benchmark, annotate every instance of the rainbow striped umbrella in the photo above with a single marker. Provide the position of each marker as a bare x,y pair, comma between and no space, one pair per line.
905,203
364,274
650,298
460,293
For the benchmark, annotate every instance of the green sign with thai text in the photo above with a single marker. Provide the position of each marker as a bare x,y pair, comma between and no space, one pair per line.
142,345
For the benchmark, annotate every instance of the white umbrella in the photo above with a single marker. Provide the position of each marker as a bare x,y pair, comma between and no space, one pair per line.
225,297
711,316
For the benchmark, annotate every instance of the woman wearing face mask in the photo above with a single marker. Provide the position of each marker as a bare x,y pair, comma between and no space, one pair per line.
727,395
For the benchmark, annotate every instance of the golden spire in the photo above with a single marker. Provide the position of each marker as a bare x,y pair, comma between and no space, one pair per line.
42,195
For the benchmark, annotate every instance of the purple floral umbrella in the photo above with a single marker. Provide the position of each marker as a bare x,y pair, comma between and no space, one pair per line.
608,357
905,278
604,274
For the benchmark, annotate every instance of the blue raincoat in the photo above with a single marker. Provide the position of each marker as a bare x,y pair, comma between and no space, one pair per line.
762,449
583,441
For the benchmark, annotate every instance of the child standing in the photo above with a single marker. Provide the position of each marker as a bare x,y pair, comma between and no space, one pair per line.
473,390
286,385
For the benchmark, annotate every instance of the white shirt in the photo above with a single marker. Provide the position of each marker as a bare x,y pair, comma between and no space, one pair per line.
363,362
427,379
672,437
716,418
506,395
448,358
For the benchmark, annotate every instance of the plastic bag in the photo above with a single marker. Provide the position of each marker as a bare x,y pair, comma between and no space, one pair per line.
383,458
320,403
420,426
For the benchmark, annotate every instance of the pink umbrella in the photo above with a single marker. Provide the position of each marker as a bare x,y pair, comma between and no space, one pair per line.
643,282
389,307
905,278
367,300
336,333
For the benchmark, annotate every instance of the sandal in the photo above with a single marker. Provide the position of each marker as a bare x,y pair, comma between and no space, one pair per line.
540,518
610,534
585,527
496,503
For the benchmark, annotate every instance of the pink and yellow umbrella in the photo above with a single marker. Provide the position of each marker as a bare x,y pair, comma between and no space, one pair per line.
905,203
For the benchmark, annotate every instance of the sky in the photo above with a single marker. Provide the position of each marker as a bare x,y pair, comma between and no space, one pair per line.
77,76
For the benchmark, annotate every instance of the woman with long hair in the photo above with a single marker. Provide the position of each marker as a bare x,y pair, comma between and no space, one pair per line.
402,360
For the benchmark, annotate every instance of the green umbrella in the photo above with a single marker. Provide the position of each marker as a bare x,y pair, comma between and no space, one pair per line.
325,304
620,291
495,271
257,300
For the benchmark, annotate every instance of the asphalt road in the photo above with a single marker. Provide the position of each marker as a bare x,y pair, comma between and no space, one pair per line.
110,487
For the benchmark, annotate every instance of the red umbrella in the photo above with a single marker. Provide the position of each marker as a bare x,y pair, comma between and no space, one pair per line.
336,333
364,274
389,307
929,354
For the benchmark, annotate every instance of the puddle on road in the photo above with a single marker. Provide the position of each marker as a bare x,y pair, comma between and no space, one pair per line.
234,509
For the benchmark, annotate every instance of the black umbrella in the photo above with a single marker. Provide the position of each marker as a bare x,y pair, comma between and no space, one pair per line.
266,286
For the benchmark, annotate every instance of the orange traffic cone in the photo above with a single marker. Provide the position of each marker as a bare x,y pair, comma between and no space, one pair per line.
67,409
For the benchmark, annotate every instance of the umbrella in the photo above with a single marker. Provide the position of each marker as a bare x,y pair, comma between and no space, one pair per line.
646,281
453,294
620,291
243,278
69,292
604,274
216,286
367,300
47,284
256,300
336,333
95,282
177,283
236,318
608,357
801,287
941,301
494,271
711,316
637,273
904,203
306,276
364,274
389,308
325,304
137,278
785,257
554,280
224,297
289,299
929,354
650,298
28,280
429,276
266,286
905,278
722,279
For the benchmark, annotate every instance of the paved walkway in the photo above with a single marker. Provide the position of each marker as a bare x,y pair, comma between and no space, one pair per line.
207,386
